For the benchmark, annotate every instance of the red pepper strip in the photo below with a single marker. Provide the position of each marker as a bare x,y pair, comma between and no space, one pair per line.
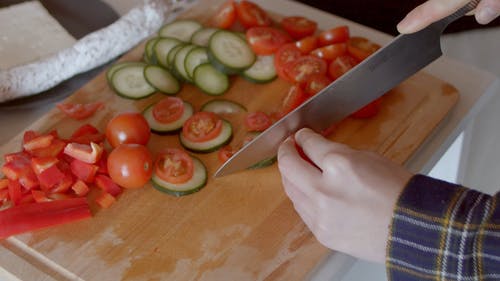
15,192
84,171
38,142
107,184
83,152
4,183
53,150
16,155
4,195
33,216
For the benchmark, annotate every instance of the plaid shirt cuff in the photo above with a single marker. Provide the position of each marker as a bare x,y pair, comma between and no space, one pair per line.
444,231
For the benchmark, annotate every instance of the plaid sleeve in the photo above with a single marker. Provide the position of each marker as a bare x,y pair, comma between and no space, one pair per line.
443,231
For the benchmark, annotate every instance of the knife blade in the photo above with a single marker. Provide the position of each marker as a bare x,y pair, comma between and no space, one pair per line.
383,70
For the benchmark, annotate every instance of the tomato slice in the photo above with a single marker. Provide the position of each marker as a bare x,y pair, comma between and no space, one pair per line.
257,121
304,67
250,14
174,166
202,126
340,66
330,52
335,35
266,40
80,111
307,44
299,27
360,48
316,83
225,16
168,110
225,153
295,97
285,54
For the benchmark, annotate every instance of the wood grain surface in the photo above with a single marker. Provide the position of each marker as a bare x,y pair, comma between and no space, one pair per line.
239,227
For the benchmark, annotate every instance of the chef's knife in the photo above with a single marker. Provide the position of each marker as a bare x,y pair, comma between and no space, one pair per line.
386,68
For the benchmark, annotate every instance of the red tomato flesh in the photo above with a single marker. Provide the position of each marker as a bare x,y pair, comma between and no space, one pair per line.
299,27
250,14
335,35
330,52
285,54
174,166
168,110
301,69
257,121
202,126
225,16
360,48
316,83
266,40
80,111
307,44
340,66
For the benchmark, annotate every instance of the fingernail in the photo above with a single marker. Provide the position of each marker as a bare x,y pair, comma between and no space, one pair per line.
486,15
300,133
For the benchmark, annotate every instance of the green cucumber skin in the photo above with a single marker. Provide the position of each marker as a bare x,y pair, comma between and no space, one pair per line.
210,149
257,81
221,103
263,163
202,87
119,93
178,193
221,67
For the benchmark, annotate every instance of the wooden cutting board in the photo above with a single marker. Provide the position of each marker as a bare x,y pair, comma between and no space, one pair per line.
239,227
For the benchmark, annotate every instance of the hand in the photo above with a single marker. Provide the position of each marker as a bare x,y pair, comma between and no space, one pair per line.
434,10
348,204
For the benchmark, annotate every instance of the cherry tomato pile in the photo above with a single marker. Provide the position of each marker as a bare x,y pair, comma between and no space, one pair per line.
304,56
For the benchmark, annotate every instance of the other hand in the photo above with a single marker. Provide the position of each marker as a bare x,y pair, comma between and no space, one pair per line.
348,204
434,10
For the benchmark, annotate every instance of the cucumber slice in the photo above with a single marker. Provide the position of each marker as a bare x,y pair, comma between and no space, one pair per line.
180,29
263,163
129,82
230,53
211,145
162,47
210,80
193,59
202,36
197,182
262,71
180,58
167,128
222,106
119,65
161,79
149,55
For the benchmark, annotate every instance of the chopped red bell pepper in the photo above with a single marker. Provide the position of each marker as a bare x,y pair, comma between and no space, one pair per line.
16,155
103,163
4,183
84,171
83,152
107,184
4,195
26,199
105,200
29,135
21,171
80,188
38,142
40,164
50,177
63,185
55,149
87,134
33,216
15,191
40,196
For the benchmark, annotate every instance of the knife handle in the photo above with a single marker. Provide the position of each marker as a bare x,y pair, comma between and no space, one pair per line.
458,14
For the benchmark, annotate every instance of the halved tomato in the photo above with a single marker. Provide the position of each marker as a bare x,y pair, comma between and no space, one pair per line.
257,121
360,48
80,111
266,40
295,97
168,109
338,34
299,27
225,16
316,83
285,54
307,44
174,166
202,126
250,14
340,66
330,52
301,69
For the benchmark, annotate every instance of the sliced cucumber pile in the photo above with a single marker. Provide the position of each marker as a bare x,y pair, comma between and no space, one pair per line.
202,36
167,128
230,53
162,47
223,106
129,82
161,79
197,182
180,29
149,54
194,58
211,145
262,71
180,58
116,66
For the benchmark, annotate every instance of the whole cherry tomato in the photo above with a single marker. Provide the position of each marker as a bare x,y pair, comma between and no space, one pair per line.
128,128
130,165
